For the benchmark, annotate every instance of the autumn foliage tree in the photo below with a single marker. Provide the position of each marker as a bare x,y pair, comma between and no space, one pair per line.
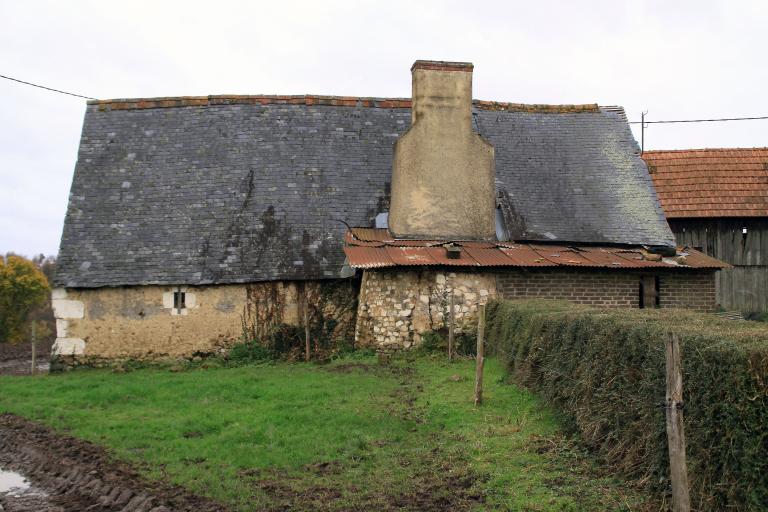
23,287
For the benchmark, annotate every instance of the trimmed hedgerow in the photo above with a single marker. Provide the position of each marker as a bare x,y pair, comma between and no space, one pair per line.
605,371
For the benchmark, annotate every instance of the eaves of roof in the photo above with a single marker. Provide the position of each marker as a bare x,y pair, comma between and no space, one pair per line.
368,248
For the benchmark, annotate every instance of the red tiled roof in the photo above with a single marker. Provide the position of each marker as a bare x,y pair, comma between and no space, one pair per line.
375,248
711,182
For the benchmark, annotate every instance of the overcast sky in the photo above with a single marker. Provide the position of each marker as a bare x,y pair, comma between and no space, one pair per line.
675,59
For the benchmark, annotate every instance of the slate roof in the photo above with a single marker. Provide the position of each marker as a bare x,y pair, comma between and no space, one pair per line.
234,189
711,182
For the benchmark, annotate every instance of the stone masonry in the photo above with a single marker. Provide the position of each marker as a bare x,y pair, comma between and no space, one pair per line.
397,307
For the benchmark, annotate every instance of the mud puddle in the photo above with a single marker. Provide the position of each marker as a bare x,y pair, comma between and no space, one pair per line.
17,494
11,481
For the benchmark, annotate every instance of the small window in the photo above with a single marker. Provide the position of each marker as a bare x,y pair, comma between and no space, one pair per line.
179,300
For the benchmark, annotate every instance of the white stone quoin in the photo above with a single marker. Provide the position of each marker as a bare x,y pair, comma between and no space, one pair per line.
69,347
65,310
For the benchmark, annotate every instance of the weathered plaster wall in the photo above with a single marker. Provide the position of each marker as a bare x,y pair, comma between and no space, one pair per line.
397,307
443,171
140,322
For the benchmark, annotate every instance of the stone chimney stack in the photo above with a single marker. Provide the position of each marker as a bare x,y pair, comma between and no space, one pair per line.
443,172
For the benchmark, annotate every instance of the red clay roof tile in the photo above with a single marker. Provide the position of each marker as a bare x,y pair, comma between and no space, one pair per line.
729,182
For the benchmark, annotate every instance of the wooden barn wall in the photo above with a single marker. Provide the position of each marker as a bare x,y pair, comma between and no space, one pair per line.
745,286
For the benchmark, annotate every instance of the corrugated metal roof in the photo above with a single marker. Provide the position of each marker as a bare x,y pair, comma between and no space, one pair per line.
409,256
560,255
488,257
375,248
525,256
698,259
367,257
440,255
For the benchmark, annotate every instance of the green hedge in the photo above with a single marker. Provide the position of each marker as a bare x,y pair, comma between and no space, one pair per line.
605,371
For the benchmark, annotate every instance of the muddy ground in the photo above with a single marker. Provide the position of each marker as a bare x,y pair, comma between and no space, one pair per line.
69,475
16,358
66,474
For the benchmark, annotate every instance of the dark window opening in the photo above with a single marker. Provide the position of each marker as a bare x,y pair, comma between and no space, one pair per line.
649,292
179,300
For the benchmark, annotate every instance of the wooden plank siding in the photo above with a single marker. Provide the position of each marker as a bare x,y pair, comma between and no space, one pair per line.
744,287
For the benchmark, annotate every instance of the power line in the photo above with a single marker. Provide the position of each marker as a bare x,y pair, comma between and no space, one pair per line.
46,88
701,120
630,122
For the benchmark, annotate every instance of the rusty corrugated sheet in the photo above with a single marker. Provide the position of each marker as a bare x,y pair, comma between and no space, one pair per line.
698,259
368,257
382,235
374,248
486,257
440,256
561,255
634,259
350,239
603,258
524,256
478,245
371,234
409,256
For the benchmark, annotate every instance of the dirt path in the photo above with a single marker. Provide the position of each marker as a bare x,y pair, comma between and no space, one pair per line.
68,475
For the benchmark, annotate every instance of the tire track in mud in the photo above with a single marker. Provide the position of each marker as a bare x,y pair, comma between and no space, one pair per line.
70,475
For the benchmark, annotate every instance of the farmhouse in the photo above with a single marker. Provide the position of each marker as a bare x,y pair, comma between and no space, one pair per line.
716,200
195,221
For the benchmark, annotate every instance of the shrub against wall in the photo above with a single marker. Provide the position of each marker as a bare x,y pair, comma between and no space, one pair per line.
330,311
605,370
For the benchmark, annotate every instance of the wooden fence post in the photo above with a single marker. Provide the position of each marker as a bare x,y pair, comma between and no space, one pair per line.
675,434
480,360
450,328
34,349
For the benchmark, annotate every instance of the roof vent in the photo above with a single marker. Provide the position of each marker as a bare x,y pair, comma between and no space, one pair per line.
452,251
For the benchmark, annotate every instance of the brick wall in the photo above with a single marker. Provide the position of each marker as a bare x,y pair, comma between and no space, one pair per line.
608,288
611,289
688,290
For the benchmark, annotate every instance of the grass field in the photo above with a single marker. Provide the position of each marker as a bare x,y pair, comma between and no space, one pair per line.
350,435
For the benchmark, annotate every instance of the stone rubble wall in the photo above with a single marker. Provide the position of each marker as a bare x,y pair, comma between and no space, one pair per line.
397,307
